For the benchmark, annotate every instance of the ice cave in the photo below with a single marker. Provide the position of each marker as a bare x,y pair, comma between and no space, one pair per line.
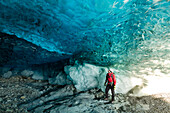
75,42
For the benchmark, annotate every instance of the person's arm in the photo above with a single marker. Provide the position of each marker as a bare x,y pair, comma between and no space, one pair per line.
114,80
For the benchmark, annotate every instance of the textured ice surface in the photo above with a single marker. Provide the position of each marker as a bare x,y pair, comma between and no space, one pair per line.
86,76
133,81
105,29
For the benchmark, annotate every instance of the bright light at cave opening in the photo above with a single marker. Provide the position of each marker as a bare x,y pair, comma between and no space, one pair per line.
156,85
157,81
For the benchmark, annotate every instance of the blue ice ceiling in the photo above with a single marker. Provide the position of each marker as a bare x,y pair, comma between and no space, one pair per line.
106,31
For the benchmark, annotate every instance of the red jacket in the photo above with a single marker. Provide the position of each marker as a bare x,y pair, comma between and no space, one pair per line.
111,78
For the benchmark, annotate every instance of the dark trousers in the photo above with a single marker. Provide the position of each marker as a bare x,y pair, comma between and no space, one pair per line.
112,90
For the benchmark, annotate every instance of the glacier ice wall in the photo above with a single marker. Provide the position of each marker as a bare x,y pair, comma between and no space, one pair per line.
130,36
104,29
141,79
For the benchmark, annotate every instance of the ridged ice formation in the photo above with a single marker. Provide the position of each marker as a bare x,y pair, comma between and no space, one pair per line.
111,31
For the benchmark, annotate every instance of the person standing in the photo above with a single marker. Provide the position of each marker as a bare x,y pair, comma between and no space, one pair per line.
110,83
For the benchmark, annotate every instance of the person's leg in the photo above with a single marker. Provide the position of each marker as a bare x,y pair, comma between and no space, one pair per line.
106,91
113,93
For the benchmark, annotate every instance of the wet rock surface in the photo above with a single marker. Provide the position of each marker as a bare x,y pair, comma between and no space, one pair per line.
25,95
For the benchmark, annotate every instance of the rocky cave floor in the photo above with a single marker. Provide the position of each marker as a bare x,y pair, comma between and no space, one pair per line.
25,95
